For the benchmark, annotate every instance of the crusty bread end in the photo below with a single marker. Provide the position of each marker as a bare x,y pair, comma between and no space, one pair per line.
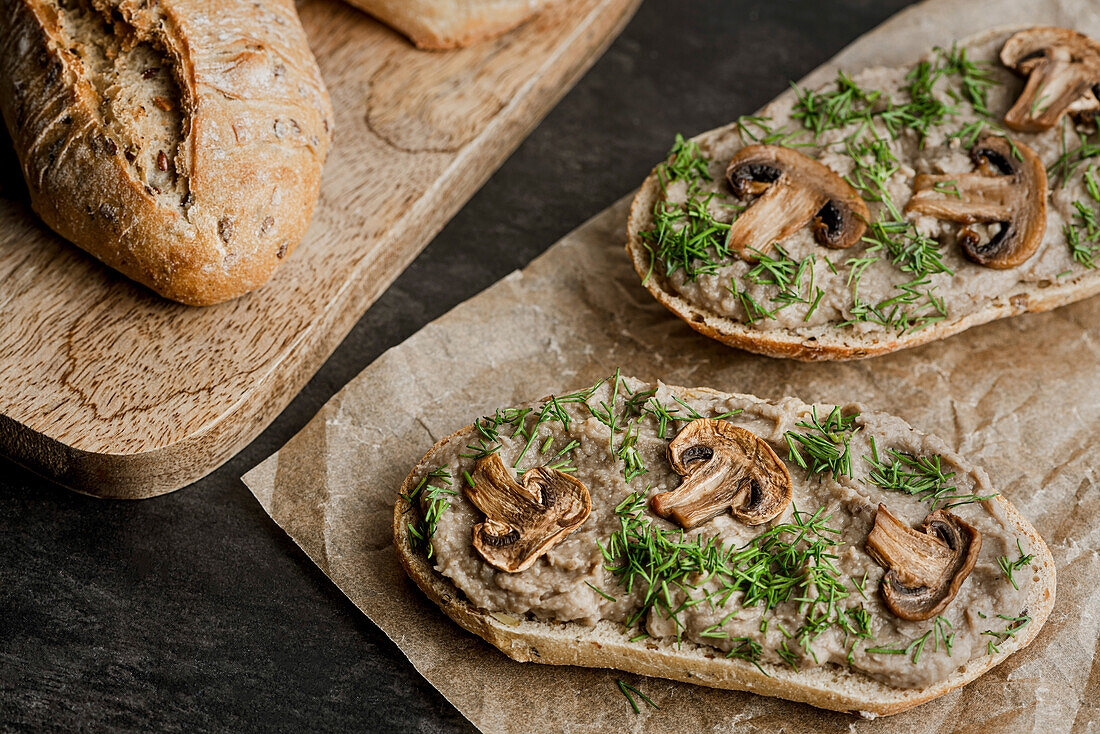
438,25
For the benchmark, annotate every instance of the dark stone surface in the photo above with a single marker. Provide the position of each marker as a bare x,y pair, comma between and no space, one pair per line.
194,612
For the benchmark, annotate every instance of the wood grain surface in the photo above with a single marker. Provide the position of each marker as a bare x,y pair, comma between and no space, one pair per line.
112,391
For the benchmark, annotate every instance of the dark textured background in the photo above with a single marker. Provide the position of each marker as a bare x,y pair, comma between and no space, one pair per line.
193,611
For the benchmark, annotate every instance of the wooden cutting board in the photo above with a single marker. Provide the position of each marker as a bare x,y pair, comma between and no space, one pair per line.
112,391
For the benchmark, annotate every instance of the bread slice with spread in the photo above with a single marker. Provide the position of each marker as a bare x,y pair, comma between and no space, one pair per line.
824,554
889,208
180,142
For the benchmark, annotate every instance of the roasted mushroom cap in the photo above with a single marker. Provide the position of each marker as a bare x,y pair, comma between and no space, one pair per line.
724,467
1009,187
523,520
794,190
926,567
1063,71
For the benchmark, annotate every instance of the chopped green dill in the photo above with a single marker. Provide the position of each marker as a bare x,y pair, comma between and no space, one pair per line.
747,649
685,162
950,188
688,237
1036,104
891,312
753,310
1015,624
1007,567
974,77
662,415
819,112
627,689
1091,184
434,502
922,476
756,129
825,448
602,593
969,133
909,250
915,647
787,275
791,562
1065,165
847,103
861,587
633,466
787,655
1083,252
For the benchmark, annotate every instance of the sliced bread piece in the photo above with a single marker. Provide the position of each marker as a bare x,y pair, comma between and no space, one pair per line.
907,281
569,607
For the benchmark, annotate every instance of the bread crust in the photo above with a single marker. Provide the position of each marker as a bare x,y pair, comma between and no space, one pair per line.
826,342
256,127
605,645
438,25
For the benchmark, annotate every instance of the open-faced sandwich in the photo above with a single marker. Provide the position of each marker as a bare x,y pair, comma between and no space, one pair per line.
889,208
824,554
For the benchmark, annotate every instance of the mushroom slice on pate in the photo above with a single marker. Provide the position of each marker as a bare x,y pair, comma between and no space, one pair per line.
1008,189
794,190
524,519
1063,71
926,567
724,467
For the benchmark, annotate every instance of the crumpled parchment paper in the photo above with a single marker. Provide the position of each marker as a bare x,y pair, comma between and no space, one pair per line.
1020,396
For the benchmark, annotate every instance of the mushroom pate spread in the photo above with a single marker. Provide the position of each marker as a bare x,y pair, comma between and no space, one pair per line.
952,223
816,535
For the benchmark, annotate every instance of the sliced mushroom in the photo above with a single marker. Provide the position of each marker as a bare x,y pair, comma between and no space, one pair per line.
724,467
524,519
1063,73
925,567
794,190
1009,187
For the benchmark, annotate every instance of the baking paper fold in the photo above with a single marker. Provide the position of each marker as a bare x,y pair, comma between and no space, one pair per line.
1019,396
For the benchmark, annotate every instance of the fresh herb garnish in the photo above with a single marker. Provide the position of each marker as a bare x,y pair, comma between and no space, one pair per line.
435,501
685,162
791,562
687,236
1007,567
602,593
627,689
1015,624
938,635
1065,165
825,448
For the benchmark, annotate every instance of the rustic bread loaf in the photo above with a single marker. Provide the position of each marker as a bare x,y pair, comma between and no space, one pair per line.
180,142
433,519
443,24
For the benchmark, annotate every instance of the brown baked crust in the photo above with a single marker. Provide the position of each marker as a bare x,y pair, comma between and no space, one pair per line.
605,646
438,25
256,129
827,342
